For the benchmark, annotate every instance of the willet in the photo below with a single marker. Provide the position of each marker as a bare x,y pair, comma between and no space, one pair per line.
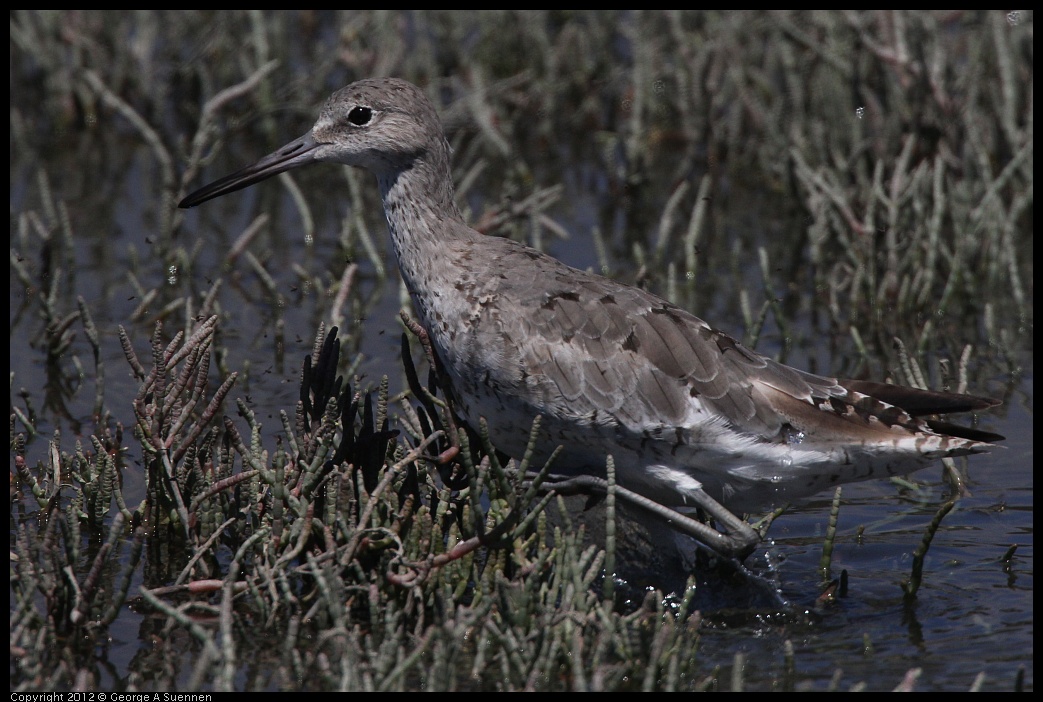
690,415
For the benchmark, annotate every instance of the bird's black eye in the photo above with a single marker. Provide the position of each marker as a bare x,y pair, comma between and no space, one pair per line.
360,115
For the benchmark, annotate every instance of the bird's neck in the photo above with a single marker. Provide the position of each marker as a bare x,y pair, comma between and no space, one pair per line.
428,232
424,180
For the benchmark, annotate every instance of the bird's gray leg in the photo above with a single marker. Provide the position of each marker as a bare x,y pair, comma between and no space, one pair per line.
737,540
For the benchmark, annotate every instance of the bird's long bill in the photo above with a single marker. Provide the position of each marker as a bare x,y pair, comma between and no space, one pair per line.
297,153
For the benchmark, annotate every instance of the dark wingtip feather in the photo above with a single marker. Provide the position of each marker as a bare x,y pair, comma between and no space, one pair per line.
920,402
962,432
